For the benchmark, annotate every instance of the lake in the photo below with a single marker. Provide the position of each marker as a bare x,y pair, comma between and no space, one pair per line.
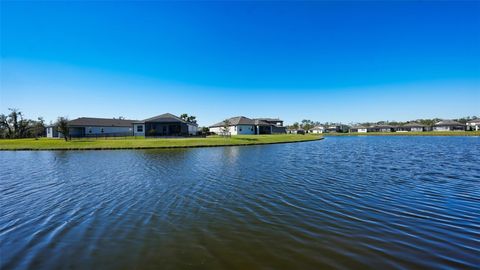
344,202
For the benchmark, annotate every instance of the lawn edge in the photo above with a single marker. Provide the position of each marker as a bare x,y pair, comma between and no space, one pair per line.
156,147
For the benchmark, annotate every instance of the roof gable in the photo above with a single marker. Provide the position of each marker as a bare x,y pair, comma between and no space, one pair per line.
448,123
167,118
413,124
235,121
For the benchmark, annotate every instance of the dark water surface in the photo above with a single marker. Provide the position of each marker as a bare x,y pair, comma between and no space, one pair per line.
347,202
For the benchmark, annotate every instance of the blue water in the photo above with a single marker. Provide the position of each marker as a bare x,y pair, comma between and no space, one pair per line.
344,202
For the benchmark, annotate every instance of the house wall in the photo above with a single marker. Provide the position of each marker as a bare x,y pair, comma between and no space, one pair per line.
448,128
416,129
473,126
51,132
136,132
235,130
362,130
244,129
317,131
92,131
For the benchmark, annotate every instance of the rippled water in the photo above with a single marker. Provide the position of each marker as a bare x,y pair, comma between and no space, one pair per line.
356,202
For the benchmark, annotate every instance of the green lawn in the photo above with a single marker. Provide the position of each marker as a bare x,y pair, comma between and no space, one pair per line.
426,133
142,143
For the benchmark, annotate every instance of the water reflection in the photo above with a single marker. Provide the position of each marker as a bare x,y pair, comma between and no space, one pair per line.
365,202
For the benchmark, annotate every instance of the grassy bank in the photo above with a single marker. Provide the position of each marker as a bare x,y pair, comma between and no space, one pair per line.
427,133
142,143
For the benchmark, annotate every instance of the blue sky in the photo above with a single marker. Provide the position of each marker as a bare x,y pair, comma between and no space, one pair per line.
324,61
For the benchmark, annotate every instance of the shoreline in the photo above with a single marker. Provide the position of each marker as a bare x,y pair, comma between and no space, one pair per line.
140,147
424,133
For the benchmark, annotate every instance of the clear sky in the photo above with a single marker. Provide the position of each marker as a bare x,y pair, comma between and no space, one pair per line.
324,61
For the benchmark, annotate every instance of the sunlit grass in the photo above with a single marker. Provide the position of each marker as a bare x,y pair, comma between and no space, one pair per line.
142,143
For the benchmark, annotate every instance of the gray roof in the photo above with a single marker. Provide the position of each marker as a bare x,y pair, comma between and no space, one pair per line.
259,122
166,118
413,124
235,121
357,127
383,126
448,123
317,128
101,122
474,121
269,119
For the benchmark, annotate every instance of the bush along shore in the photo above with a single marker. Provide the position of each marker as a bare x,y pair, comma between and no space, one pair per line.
424,133
154,143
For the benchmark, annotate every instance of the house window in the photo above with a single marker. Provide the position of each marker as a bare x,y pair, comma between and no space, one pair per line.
240,129
101,130
139,128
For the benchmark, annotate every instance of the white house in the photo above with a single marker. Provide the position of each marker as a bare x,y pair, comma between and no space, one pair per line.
448,125
241,125
473,124
295,131
359,129
317,130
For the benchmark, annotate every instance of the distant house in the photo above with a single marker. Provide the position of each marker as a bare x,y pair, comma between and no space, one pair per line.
276,124
91,127
295,131
473,124
359,129
241,125
336,128
449,125
381,128
317,130
165,124
412,127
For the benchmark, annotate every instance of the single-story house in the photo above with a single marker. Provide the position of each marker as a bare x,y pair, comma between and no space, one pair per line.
317,130
277,124
241,125
473,124
359,129
449,125
411,127
381,128
165,124
295,131
92,127
336,128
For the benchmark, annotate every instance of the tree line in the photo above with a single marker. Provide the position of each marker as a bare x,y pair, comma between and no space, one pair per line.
15,125
307,124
